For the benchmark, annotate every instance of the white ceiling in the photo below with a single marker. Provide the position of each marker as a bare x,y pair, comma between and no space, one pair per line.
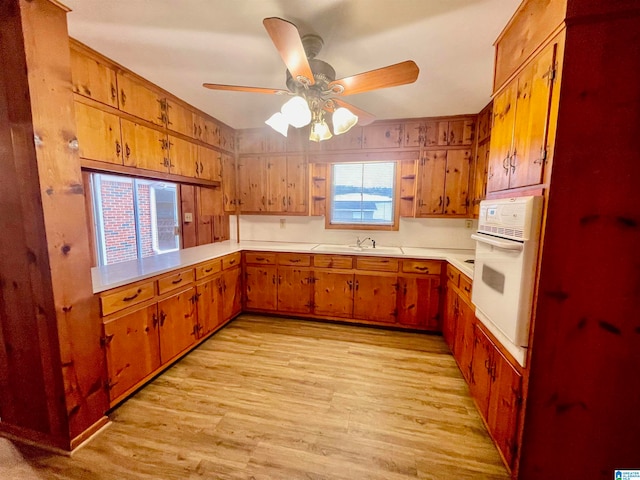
180,44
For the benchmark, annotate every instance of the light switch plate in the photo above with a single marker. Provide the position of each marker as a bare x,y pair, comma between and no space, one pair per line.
188,217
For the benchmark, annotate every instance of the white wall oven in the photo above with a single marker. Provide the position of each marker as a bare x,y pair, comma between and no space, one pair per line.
507,244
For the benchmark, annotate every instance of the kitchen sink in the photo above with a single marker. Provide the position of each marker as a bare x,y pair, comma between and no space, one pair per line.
355,249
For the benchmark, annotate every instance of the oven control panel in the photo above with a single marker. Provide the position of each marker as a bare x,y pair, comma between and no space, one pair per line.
515,218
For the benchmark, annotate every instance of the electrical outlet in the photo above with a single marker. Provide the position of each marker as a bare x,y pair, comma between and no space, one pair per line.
188,217
468,224
283,223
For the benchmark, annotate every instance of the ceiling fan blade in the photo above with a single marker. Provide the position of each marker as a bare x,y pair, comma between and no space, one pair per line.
286,38
364,118
240,88
391,76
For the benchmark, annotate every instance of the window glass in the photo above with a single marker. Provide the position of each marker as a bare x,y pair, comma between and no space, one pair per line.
133,218
363,193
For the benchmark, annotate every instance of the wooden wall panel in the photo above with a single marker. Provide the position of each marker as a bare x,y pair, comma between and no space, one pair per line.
188,205
52,284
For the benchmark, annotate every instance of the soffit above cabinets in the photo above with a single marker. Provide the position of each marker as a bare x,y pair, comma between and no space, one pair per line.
180,44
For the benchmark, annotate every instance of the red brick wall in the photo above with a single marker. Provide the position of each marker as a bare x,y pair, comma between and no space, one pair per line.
118,221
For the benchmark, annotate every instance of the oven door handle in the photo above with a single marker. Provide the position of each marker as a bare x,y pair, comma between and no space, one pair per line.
496,242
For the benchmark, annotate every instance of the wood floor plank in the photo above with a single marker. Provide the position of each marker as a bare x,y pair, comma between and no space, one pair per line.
273,398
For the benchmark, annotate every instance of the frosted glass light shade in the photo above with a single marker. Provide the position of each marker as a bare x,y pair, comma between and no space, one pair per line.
320,131
297,112
279,123
343,120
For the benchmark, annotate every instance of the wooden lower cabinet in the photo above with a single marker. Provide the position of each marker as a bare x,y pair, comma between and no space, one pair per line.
333,294
231,291
450,316
419,302
210,313
178,323
261,285
375,298
295,290
132,348
464,336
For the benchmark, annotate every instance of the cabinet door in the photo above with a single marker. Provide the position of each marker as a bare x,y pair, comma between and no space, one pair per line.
450,316
226,139
141,101
461,132
179,118
228,172
333,294
297,182
504,406
98,134
252,184
93,79
352,140
414,134
251,141
261,285
132,348
480,177
294,289
209,164
375,298
144,147
504,108
431,178
481,370
382,136
178,323
465,338
230,288
183,157
209,305
456,188
211,133
276,183
531,120
419,302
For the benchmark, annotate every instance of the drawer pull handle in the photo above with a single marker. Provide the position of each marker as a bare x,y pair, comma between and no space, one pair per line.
231,262
207,270
294,260
259,259
467,289
128,299
422,269
175,282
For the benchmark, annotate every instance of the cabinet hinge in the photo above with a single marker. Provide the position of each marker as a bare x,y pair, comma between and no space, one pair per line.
106,340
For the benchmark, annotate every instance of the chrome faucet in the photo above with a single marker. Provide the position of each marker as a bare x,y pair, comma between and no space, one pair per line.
360,242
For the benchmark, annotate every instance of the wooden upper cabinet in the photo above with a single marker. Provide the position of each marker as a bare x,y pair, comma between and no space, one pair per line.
352,140
98,134
521,113
228,172
297,184
456,132
456,187
431,178
140,100
485,122
276,183
209,164
179,118
251,141
479,186
183,157
252,184
227,139
94,79
383,136
414,134
297,140
144,147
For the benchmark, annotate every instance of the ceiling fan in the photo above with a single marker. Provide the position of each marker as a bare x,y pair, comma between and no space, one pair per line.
313,86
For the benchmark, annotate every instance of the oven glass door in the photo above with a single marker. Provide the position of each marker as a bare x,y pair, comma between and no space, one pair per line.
498,286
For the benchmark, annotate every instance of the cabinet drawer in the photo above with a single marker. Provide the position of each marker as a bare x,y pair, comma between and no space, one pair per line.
294,259
112,302
209,268
453,275
175,280
427,267
230,261
377,264
332,261
260,258
465,286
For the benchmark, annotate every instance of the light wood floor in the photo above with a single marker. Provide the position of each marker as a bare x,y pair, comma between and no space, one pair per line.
271,398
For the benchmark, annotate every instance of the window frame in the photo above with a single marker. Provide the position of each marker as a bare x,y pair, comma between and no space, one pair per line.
360,226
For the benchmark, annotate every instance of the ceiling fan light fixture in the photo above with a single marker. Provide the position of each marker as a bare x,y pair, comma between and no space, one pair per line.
343,120
297,112
320,131
279,123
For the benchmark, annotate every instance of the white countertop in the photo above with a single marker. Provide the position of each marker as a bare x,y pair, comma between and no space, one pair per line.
119,274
